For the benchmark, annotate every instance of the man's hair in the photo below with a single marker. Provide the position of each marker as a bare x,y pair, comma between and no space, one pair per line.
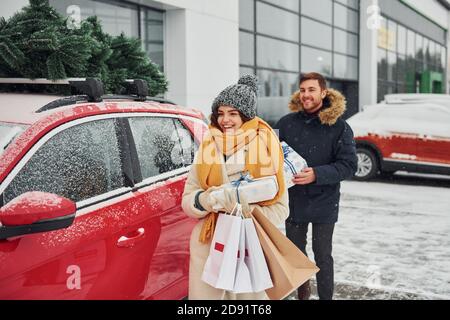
314,76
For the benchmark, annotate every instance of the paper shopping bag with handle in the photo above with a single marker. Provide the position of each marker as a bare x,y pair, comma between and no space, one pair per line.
289,267
255,260
243,282
220,267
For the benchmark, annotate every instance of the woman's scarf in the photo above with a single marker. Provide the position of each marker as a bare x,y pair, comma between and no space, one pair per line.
263,157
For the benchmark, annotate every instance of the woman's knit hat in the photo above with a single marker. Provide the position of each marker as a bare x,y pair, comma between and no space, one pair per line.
241,96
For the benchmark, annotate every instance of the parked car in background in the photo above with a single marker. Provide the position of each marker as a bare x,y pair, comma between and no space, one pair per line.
90,197
413,98
395,98
413,137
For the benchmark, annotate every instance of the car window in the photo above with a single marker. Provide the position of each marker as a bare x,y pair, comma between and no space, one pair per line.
78,163
158,145
8,132
187,142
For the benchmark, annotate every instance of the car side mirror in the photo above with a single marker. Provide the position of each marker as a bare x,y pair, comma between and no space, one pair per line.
35,211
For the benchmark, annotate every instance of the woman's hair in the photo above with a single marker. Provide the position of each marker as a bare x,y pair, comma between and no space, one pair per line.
215,116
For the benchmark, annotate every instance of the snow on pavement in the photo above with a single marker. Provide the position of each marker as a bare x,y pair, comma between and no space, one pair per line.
394,238
392,241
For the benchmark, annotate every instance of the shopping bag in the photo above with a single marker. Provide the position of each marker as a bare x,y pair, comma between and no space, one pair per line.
254,258
289,267
242,282
220,267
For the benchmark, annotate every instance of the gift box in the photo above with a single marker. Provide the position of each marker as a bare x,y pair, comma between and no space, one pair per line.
293,163
254,190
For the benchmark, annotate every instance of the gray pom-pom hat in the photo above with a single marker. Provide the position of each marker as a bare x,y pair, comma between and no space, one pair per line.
241,96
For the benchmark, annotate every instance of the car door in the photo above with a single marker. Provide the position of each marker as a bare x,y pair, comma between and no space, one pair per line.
396,132
100,256
165,151
434,139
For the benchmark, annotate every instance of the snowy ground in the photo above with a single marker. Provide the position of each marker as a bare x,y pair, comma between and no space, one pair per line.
392,240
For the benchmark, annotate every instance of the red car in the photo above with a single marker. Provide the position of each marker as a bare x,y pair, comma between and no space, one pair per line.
413,137
90,197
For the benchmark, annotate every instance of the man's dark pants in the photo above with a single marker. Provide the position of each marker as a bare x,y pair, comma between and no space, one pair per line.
322,245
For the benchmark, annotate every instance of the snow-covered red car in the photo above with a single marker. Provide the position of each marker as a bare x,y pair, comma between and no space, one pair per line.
413,137
90,197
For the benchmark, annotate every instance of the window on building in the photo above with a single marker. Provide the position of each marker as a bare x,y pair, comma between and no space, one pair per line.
345,18
406,59
316,34
350,3
152,23
276,54
276,22
319,9
246,48
275,89
286,4
117,17
345,67
245,70
345,43
314,60
401,40
294,37
246,14
382,64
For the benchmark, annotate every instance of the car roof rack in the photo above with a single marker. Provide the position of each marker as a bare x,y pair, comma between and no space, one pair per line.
83,98
61,102
91,87
128,97
137,87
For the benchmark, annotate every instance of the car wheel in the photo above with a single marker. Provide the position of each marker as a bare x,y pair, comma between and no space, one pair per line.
367,164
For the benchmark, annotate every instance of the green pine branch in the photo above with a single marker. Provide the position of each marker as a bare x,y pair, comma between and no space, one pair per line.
36,43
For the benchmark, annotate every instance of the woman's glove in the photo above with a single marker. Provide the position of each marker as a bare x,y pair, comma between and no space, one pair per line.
230,199
206,200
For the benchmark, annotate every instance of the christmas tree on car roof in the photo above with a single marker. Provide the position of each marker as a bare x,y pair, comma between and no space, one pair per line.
37,43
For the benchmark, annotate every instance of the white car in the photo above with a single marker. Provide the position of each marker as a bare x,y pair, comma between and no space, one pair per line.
408,98
412,137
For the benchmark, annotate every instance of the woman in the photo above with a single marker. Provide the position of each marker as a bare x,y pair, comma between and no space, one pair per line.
238,142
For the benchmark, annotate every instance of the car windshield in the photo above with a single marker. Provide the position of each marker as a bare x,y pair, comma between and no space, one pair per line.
9,131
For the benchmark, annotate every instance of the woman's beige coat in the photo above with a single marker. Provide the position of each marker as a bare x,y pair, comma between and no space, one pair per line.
277,213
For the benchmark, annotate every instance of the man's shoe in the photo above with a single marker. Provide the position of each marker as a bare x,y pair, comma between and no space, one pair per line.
304,291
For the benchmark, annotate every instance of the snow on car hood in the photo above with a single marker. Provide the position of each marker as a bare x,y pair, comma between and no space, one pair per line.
427,121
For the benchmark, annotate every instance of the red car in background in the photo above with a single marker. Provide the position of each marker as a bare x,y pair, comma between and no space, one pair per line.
407,136
90,197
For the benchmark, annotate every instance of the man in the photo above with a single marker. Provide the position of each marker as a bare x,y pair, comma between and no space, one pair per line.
316,131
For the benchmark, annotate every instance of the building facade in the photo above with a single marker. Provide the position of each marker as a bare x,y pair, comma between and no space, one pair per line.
365,48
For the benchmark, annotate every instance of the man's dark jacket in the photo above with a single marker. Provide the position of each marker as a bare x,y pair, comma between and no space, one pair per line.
326,142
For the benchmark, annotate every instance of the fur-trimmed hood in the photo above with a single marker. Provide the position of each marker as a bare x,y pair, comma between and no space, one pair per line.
331,111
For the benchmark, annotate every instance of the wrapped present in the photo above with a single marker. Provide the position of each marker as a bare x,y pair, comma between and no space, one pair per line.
254,190
293,163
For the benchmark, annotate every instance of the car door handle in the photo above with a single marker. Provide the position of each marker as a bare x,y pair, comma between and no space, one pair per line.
129,240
